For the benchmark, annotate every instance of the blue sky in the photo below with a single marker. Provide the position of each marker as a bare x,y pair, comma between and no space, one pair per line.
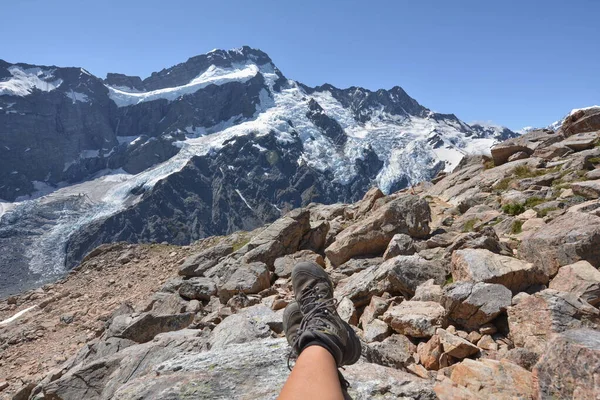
516,63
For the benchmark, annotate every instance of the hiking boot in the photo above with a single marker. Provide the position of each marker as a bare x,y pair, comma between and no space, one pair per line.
292,317
321,325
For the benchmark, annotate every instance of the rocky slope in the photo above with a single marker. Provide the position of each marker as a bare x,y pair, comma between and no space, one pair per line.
80,156
484,284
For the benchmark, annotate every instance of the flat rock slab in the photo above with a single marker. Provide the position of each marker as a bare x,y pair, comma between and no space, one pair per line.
536,319
418,319
258,370
486,379
471,305
587,189
570,368
581,141
580,279
567,239
480,265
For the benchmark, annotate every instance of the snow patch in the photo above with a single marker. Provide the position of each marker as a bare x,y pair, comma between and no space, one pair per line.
77,96
243,199
212,76
16,316
24,81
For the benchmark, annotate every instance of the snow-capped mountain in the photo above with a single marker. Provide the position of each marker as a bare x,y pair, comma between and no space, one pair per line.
224,137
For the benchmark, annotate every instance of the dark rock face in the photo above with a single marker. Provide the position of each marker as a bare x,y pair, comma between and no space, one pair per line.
361,101
44,131
71,132
241,187
330,127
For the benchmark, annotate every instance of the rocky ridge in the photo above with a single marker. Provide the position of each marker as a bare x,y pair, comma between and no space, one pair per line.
484,284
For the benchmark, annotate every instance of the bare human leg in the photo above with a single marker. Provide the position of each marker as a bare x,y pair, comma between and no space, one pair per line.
314,377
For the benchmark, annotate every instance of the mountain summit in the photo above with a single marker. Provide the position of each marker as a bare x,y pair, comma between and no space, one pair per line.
221,142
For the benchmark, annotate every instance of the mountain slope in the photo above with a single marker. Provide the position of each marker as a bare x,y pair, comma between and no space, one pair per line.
124,134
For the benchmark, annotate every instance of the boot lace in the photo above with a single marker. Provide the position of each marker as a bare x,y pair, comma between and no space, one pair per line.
319,310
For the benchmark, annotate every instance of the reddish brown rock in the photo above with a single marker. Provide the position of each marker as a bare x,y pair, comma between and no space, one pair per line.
536,319
418,319
570,368
479,265
569,238
580,279
486,379
585,120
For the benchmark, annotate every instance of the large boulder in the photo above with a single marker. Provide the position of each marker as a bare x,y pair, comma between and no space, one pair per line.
584,120
400,245
537,318
257,370
569,238
278,239
587,189
145,327
408,214
395,351
284,265
198,288
485,379
418,319
399,275
471,305
527,143
246,278
570,367
197,264
581,141
406,273
253,323
479,265
580,279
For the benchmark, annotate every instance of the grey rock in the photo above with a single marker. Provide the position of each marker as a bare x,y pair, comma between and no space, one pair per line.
316,237
569,368
197,264
145,327
284,265
586,120
200,375
347,312
406,273
567,239
198,288
400,245
428,291
522,357
376,331
471,305
246,278
251,324
587,189
478,265
534,320
526,143
395,351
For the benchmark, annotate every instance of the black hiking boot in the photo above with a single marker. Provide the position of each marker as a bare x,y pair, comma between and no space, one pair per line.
321,325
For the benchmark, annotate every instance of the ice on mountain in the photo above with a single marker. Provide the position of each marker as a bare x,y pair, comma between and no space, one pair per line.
24,81
212,76
77,96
